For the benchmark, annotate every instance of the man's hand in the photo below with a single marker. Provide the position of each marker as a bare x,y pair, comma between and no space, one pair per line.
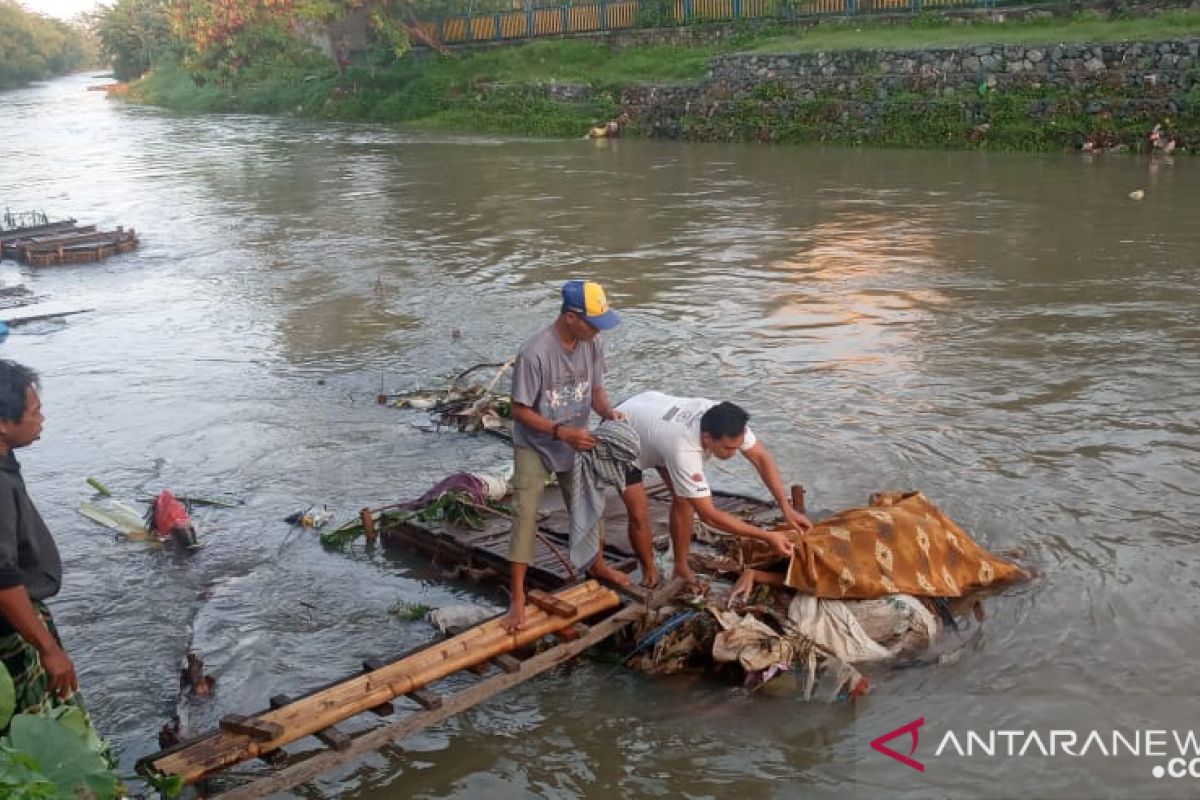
578,438
780,543
60,670
801,523
741,589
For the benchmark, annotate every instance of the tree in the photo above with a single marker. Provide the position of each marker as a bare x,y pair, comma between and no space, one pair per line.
134,35
34,47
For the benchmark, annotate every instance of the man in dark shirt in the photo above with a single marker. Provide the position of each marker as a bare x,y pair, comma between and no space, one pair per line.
30,568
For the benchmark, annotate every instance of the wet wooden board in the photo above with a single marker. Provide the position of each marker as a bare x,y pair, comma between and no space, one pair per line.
38,230
243,737
111,244
459,545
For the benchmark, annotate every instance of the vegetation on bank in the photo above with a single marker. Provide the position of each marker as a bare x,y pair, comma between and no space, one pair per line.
34,47
530,89
499,90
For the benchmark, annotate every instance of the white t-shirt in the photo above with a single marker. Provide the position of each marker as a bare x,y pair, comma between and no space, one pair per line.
669,428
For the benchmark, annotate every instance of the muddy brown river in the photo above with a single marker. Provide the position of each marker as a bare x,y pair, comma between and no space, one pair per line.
1011,334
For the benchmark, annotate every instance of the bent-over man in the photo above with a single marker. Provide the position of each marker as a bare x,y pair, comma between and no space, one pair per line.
678,435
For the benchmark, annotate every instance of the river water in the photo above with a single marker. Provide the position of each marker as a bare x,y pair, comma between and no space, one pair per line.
1011,334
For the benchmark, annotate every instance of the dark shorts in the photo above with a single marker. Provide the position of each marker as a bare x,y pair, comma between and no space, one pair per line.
633,475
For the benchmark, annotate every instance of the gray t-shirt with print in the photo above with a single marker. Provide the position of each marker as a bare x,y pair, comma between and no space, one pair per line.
557,383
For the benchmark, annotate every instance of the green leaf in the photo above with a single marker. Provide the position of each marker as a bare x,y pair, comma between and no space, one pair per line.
21,777
170,786
63,756
8,696
75,720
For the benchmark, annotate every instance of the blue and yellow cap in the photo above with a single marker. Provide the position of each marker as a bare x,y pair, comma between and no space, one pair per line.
587,299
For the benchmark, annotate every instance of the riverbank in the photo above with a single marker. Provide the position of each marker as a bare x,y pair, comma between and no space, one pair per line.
1040,84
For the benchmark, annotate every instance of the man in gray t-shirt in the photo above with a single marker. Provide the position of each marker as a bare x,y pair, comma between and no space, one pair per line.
557,382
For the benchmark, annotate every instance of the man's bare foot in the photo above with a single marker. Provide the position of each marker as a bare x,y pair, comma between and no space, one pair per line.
514,620
602,571
692,584
651,577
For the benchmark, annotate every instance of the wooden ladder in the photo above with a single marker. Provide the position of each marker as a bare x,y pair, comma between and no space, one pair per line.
480,650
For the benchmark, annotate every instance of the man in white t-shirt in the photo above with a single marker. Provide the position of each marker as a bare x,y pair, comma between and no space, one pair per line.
678,434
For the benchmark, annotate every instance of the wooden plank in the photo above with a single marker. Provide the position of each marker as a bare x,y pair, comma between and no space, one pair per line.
332,737
425,698
478,669
507,663
552,605
255,728
355,695
42,243
571,633
310,768
36,230
383,709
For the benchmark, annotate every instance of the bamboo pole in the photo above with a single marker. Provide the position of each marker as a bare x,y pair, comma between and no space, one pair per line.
297,774
368,523
329,707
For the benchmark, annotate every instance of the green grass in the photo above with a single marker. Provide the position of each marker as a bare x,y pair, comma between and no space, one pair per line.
927,33
574,62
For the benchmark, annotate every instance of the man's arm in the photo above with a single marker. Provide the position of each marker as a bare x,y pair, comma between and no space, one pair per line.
768,471
708,512
577,438
17,609
603,406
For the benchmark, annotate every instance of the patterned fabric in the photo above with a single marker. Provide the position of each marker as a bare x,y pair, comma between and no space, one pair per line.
25,665
616,450
904,544
463,482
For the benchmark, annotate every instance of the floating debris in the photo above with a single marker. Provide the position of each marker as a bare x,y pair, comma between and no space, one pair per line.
32,238
311,517
168,518
192,677
465,406
16,297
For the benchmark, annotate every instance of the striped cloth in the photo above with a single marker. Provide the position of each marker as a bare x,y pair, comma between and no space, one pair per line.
617,448
33,693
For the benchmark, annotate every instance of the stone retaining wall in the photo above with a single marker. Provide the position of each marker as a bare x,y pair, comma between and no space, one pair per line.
1120,89
1155,68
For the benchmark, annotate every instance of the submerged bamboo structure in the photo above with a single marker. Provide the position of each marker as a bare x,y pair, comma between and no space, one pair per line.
243,737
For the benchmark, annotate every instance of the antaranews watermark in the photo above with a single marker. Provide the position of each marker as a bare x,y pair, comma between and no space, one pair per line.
1176,752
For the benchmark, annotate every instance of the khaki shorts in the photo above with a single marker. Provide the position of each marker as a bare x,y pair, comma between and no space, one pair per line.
528,483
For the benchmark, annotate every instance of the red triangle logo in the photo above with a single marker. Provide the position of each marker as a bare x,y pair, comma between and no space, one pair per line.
912,728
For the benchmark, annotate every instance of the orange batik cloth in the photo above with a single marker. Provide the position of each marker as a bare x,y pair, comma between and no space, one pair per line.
901,544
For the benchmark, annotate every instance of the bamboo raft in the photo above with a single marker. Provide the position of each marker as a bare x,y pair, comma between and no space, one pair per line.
487,549
564,615
477,650
54,243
